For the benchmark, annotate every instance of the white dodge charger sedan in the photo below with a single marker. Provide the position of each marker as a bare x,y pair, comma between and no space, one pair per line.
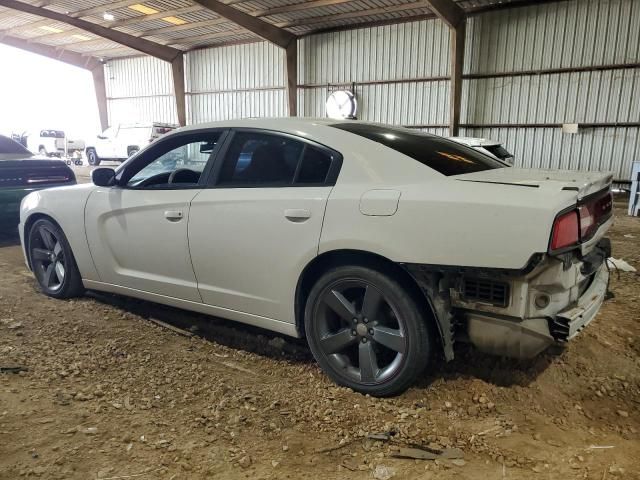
381,245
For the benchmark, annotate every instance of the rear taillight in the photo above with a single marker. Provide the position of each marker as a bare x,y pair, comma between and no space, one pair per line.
565,231
581,224
587,221
593,214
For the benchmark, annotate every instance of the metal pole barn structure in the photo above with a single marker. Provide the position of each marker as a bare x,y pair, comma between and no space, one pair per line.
514,70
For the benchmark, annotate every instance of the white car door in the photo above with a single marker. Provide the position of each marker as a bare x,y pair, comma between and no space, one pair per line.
252,231
104,143
137,230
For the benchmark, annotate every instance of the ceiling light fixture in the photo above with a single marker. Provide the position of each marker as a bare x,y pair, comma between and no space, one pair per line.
51,29
138,7
174,20
108,17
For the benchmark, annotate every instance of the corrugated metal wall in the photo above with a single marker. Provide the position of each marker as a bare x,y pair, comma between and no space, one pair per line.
248,80
557,35
234,82
402,51
140,89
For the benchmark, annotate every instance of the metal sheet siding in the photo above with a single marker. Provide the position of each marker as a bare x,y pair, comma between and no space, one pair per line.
140,89
391,52
557,35
236,81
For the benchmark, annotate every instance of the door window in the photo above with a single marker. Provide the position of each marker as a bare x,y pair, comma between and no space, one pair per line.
175,163
270,160
260,159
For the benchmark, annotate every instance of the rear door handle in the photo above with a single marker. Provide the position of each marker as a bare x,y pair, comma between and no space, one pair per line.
173,215
297,214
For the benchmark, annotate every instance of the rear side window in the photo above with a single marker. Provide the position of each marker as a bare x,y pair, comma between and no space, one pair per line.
314,167
442,155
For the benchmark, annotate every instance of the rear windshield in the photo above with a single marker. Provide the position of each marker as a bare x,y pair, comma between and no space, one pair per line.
442,155
10,146
499,151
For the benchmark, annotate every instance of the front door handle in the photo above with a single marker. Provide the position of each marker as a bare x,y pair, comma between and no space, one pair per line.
173,215
297,214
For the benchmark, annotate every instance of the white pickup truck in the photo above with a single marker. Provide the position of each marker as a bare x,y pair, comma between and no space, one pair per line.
52,143
119,142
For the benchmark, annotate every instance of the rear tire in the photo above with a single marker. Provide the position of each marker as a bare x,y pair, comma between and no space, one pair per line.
52,261
42,151
366,331
92,157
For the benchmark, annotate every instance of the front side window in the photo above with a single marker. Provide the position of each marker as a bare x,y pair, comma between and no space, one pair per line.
260,159
176,163
442,155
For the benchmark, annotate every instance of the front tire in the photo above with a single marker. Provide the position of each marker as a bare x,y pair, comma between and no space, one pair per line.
52,261
366,331
92,157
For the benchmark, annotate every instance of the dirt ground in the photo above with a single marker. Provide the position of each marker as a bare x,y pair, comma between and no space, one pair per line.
108,394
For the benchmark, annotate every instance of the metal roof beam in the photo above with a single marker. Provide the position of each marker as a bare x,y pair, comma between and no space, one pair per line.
263,29
448,11
139,44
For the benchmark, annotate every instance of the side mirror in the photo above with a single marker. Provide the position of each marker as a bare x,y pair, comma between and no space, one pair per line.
103,177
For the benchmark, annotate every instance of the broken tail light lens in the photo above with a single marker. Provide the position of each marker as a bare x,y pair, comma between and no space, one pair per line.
565,231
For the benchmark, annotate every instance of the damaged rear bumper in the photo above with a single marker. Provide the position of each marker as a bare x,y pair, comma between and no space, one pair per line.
525,338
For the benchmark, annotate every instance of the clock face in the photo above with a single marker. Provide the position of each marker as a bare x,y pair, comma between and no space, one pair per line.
342,104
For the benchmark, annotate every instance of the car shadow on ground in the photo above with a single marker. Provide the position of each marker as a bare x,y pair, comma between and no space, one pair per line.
219,330
468,363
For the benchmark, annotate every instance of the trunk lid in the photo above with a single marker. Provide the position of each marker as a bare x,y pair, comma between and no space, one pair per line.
583,183
34,173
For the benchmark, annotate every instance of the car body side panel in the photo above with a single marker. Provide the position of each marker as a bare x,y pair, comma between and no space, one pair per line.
66,206
135,242
250,245
444,222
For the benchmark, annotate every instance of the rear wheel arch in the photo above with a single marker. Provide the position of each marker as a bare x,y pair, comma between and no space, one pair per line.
335,258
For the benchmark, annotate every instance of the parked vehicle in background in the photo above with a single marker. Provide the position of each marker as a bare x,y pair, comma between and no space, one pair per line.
21,172
53,143
122,141
379,244
489,147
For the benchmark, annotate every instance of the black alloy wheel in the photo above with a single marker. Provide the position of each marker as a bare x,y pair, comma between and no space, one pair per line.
52,261
366,331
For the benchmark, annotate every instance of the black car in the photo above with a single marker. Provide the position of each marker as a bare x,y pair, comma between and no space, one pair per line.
21,172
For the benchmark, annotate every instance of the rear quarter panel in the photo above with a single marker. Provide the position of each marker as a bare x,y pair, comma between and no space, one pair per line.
443,221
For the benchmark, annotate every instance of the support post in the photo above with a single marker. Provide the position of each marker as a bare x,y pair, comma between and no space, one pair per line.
292,77
177,68
101,95
458,36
